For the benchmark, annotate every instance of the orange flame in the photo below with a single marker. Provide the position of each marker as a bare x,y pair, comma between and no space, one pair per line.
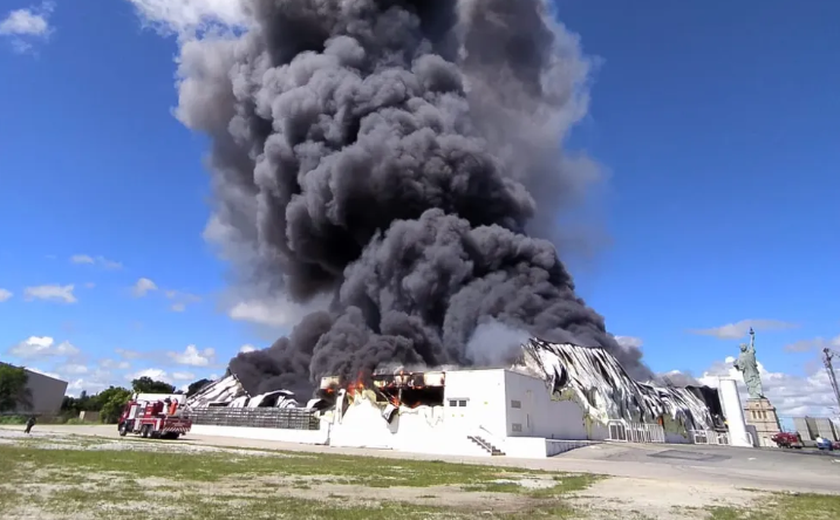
357,386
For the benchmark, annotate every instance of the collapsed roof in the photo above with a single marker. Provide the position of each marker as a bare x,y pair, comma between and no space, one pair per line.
228,391
594,378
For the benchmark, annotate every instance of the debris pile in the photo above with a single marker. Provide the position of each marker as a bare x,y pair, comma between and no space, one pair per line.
594,378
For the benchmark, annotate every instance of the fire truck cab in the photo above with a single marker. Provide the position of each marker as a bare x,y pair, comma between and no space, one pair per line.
160,416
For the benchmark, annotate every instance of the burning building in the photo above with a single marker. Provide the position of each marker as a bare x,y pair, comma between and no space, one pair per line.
552,395
396,167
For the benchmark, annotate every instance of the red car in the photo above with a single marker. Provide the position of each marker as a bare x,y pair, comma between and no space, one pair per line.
787,440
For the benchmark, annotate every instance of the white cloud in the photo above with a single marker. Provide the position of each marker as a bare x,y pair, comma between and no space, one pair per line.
108,264
81,259
113,364
155,373
58,293
72,369
193,357
99,260
742,328
247,348
143,286
94,381
158,374
24,27
807,345
183,376
180,300
127,354
277,313
43,346
185,16
5,294
792,395
30,22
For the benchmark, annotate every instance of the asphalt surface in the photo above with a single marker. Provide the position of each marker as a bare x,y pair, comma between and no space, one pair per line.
765,469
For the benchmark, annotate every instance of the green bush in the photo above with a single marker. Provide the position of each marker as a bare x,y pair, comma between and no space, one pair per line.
12,419
114,399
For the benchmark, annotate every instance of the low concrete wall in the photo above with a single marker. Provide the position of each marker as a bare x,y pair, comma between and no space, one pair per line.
267,434
525,447
540,448
555,447
91,417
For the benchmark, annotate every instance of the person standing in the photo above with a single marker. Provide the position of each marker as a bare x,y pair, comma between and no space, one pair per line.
29,424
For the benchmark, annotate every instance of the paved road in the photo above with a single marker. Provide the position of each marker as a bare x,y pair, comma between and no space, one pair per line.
767,469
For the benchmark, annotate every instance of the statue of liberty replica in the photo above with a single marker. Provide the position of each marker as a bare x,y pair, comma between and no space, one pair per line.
748,366
759,413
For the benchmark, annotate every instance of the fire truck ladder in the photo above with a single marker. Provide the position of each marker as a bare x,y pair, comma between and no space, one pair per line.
828,354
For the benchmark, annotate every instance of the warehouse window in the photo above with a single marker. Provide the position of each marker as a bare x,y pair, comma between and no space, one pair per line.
458,403
516,427
516,404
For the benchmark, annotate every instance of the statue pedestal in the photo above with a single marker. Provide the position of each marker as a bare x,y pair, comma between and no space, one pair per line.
760,414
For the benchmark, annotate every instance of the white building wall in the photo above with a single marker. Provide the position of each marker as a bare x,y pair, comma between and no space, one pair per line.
475,400
532,413
733,412
361,425
419,430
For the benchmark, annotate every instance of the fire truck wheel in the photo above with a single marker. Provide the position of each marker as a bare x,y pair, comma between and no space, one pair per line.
123,429
144,431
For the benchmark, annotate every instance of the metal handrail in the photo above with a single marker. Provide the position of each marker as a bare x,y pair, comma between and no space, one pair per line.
493,439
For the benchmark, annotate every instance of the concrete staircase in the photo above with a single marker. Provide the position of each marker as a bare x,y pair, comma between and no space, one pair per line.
486,446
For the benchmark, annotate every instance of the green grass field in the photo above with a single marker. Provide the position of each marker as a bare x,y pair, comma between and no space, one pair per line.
89,478
80,482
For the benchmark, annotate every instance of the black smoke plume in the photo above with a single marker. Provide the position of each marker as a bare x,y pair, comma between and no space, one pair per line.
402,156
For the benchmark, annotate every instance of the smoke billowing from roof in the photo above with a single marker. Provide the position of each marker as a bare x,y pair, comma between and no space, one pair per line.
402,156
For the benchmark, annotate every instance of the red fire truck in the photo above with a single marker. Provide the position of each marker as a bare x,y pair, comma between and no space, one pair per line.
159,416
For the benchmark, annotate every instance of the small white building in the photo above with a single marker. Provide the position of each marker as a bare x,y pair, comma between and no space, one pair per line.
555,398
45,394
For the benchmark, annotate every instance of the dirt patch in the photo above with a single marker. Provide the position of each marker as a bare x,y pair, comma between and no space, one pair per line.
665,500
320,488
324,488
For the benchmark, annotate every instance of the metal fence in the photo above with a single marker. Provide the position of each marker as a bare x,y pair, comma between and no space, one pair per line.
711,437
285,418
636,432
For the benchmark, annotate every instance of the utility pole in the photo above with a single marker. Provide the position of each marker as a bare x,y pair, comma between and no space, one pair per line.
828,354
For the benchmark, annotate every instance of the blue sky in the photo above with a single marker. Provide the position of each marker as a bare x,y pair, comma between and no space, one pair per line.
717,122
